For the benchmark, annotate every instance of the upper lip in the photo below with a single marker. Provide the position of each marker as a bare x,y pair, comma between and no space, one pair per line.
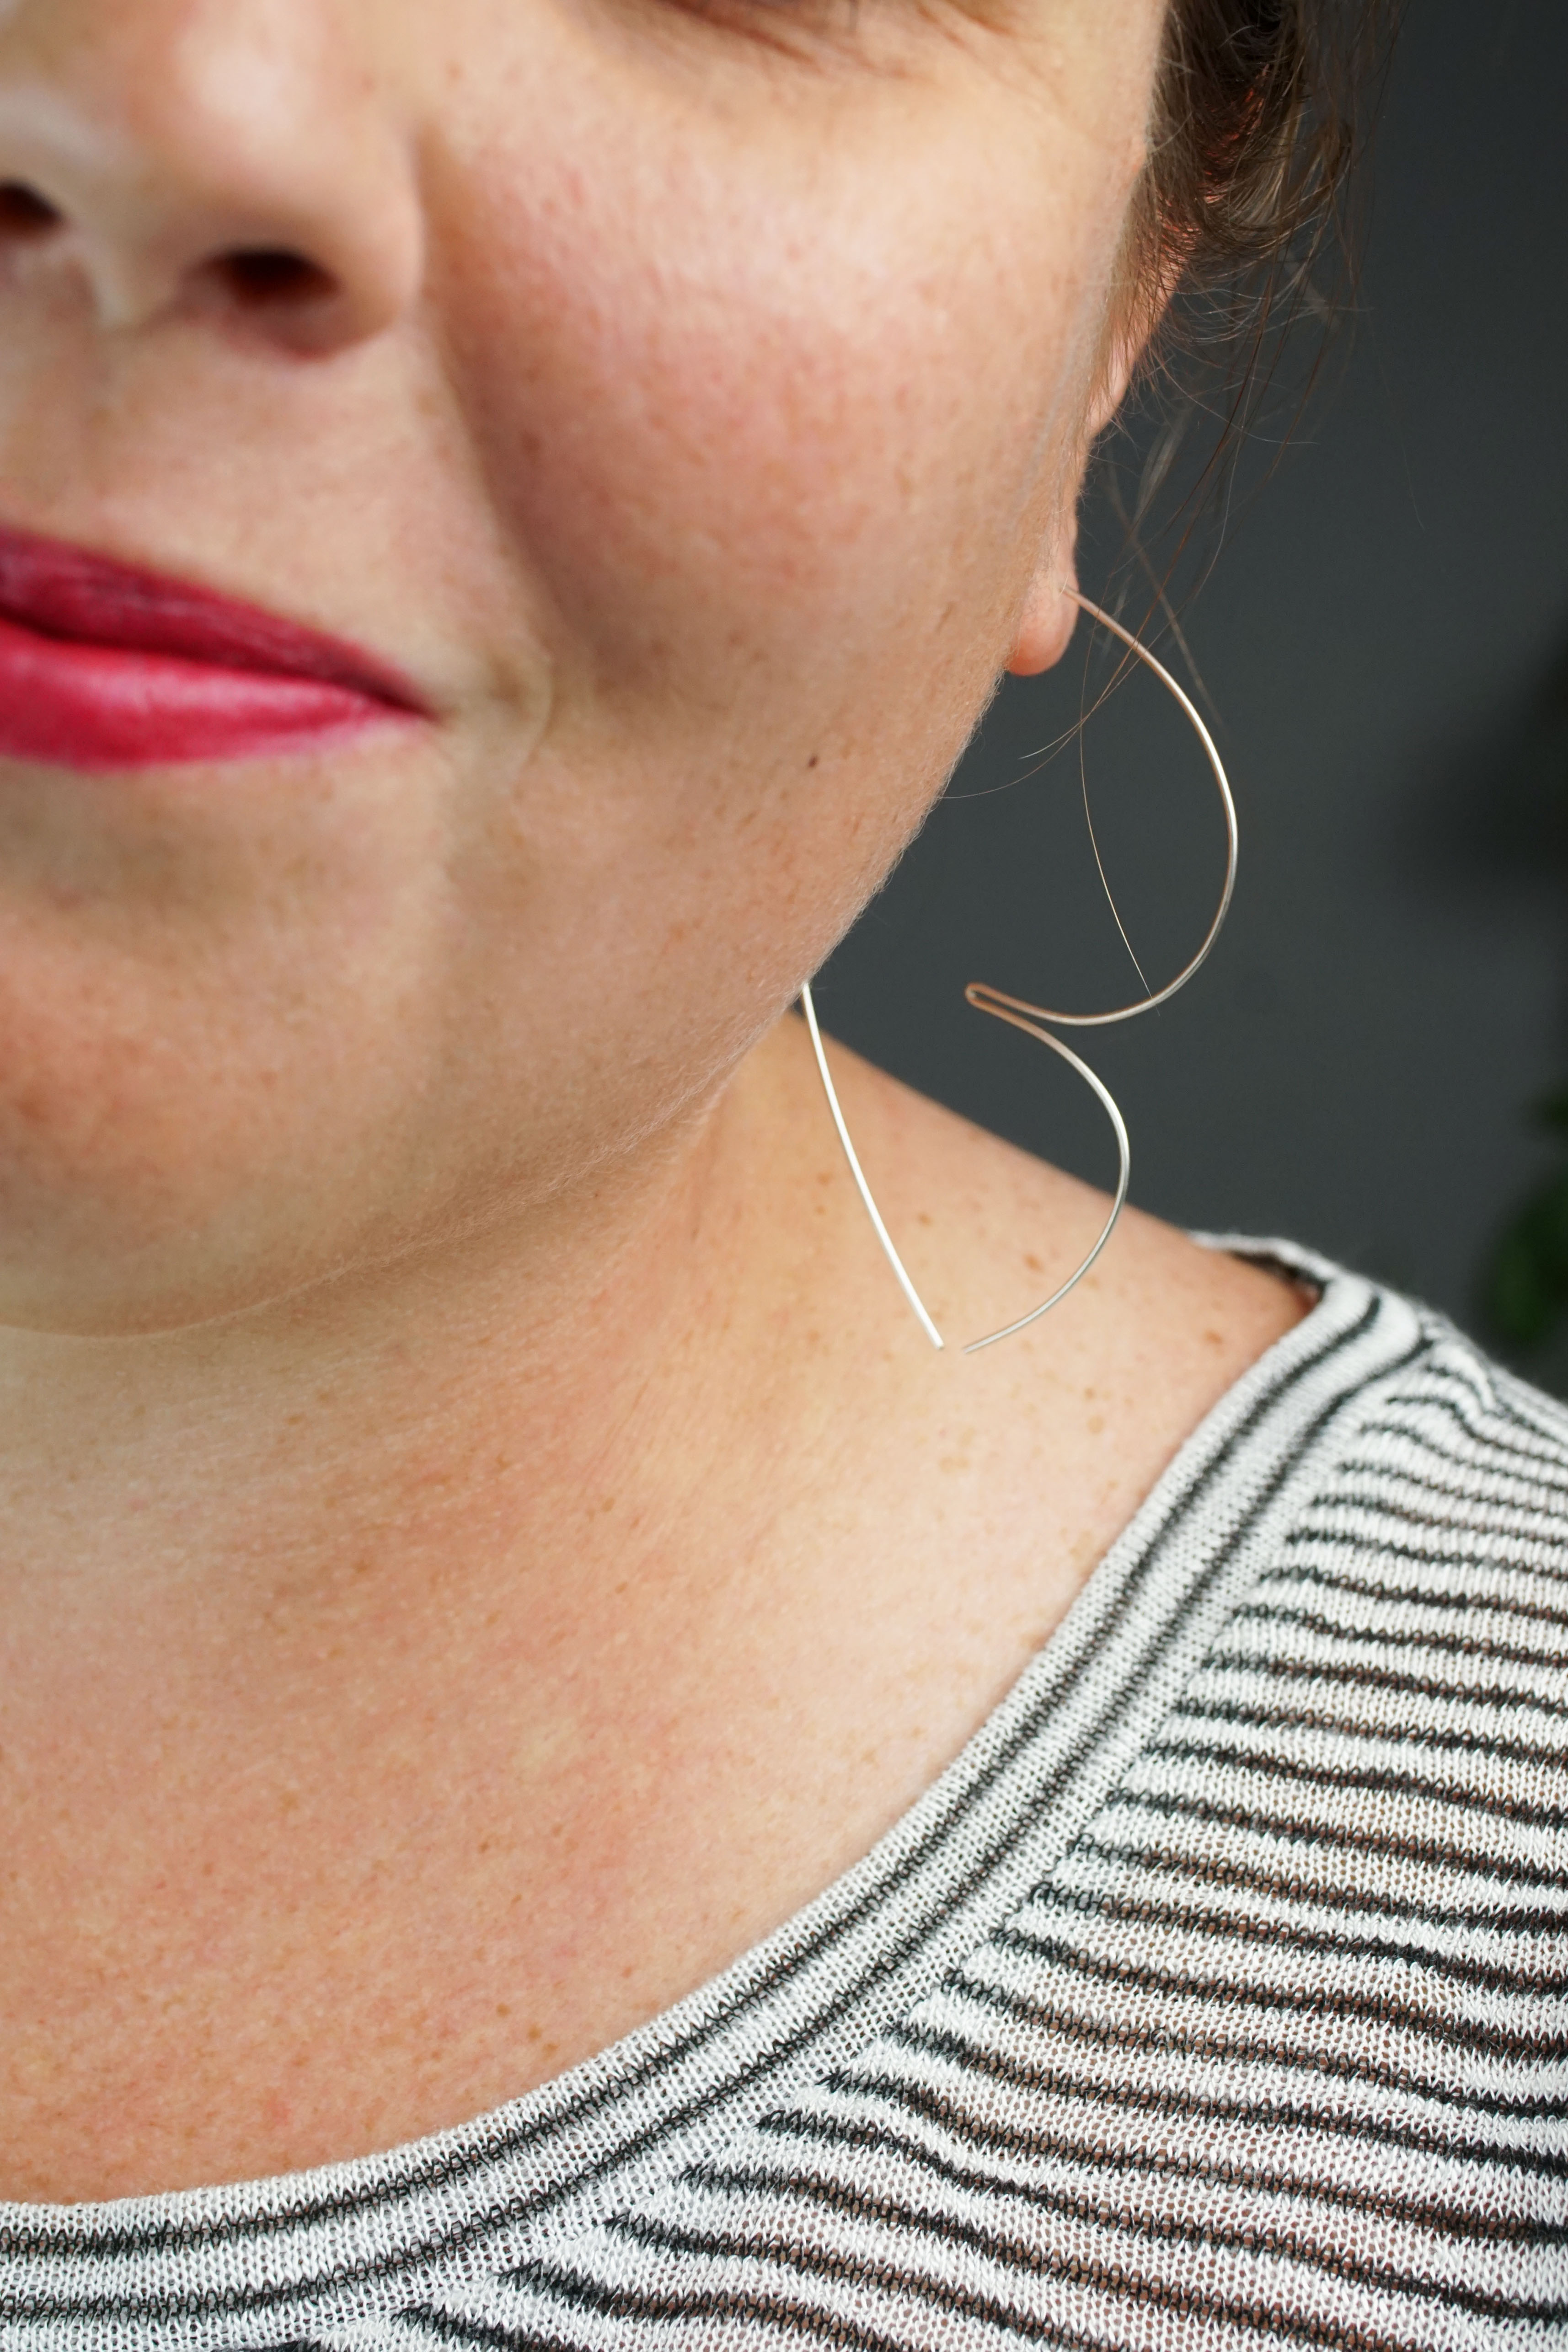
68,592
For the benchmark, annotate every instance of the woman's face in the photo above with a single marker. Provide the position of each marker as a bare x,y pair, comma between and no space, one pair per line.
684,397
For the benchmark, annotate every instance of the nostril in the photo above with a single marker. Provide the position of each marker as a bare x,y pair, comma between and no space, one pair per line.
271,277
24,212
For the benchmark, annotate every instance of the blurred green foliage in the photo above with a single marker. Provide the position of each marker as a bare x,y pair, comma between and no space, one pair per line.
1525,1284
1528,1292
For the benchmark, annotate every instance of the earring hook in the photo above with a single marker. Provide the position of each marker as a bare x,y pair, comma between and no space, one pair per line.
1021,1015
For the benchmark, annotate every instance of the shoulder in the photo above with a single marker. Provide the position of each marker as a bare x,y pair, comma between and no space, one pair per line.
988,1228
1417,1593
1182,1320
1327,1886
1263,2014
1443,1474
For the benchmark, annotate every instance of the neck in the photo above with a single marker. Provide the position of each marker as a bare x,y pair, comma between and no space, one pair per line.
513,1376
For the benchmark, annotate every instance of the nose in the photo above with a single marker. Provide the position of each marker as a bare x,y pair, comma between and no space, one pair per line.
240,159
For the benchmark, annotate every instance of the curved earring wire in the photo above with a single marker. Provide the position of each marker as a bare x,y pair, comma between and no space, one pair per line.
1021,1015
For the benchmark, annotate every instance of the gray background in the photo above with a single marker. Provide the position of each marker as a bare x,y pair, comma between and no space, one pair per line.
1383,637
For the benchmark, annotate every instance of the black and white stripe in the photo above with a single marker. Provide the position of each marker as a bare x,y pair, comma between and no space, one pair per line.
1216,1996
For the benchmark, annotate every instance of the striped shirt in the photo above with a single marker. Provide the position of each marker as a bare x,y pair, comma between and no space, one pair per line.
1216,1996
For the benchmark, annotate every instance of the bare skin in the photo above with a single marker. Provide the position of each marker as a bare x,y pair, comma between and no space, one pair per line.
468,1754
483,1540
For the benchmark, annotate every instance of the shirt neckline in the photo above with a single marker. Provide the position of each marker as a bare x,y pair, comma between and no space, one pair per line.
253,2262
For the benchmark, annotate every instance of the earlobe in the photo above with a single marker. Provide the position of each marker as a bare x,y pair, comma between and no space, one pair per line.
1047,621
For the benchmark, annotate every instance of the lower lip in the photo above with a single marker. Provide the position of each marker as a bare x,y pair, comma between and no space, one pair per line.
78,705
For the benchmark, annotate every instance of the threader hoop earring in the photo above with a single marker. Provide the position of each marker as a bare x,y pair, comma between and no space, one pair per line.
1021,1015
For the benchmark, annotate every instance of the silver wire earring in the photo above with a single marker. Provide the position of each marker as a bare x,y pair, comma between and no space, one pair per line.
1029,1017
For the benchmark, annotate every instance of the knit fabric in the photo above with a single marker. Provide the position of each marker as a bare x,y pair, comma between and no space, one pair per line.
1216,1997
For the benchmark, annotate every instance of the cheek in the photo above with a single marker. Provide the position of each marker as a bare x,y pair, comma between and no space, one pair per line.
754,419
774,427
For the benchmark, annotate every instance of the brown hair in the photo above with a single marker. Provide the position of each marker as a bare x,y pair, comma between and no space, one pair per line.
1259,114
1254,128
1243,221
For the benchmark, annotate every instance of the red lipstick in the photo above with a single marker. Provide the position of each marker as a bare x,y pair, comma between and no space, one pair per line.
106,666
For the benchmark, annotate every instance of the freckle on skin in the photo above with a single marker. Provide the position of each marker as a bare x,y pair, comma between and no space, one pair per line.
1214,1339
1032,1263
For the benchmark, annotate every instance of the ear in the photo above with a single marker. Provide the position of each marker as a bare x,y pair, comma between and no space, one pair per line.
1047,621
1048,617
1045,625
